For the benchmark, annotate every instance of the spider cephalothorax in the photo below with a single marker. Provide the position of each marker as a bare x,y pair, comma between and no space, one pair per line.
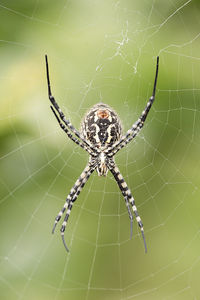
101,137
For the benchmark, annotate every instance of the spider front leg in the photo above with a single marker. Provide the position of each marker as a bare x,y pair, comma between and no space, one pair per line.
127,195
137,126
55,104
75,140
62,116
71,198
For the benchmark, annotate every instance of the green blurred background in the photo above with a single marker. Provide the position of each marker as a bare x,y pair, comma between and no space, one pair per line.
99,51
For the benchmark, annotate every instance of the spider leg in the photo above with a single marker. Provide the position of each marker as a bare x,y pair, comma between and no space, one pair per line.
127,194
75,140
61,114
137,126
130,215
74,192
63,227
73,195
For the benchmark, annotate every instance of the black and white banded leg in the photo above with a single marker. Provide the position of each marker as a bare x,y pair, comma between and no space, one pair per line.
130,214
61,114
71,198
75,140
137,126
127,194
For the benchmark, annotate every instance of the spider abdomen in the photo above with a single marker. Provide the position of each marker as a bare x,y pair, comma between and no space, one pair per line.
101,126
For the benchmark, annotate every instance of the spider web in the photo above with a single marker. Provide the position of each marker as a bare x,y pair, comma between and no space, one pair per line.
100,51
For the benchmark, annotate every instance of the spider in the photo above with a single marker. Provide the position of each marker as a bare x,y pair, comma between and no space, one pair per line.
101,136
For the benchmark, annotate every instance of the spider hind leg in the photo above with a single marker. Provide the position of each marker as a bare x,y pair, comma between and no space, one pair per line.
71,198
128,199
130,217
64,243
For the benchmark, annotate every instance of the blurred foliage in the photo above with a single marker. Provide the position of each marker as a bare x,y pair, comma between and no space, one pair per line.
99,51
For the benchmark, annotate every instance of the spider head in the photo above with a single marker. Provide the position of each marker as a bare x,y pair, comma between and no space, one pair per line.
101,126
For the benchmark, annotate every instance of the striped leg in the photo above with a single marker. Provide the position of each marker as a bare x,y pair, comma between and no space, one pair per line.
75,140
61,114
123,143
127,194
129,213
75,191
137,126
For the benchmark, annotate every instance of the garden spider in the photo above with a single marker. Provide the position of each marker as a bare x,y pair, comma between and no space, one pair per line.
101,136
